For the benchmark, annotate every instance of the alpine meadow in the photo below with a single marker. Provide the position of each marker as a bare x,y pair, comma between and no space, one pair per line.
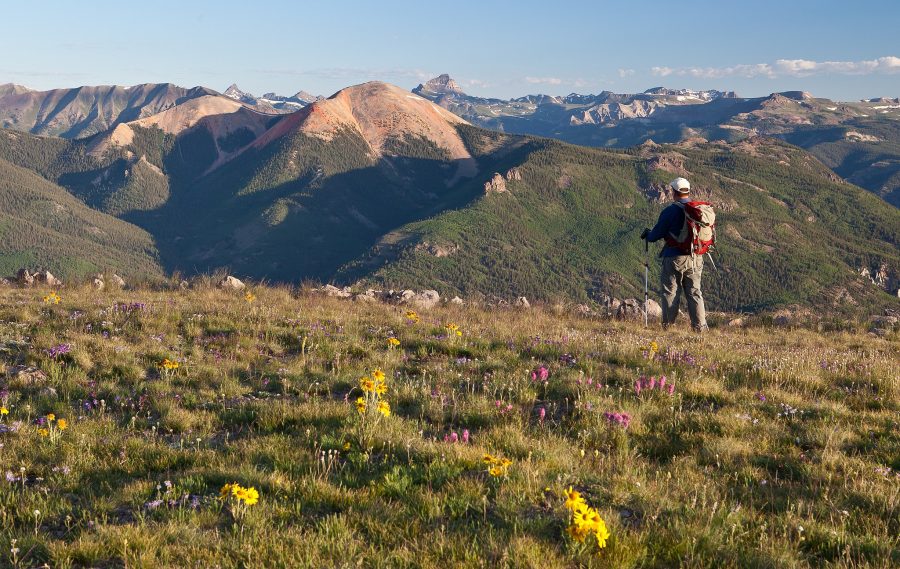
432,321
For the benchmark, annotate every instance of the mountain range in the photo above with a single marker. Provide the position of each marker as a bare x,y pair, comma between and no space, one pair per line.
380,186
859,140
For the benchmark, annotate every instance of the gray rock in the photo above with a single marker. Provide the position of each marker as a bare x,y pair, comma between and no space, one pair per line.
522,302
424,300
27,375
736,322
24,278
457,301
99,284
885,320
654,310
365,298
117,280
232,283
47,278
335,292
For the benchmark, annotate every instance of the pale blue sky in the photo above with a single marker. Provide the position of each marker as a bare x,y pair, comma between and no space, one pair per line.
840,50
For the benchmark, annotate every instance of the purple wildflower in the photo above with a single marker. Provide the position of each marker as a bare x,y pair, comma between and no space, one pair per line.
59,350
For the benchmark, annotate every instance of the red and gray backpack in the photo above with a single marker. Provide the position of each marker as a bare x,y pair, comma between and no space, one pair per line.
698,234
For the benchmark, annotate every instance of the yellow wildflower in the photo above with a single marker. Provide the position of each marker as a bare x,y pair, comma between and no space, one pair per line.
347,445
4,411
393,342
52,298
62,424
602,534
577,533
251,496
495,471
366,384
378,375
43,432
384,408
412,316
51,417
573,498
249,297
361,404
381,388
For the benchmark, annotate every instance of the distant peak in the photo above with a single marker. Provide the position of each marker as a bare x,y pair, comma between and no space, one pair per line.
441,84
234,92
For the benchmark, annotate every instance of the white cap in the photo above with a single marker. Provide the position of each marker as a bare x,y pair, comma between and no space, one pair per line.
680,185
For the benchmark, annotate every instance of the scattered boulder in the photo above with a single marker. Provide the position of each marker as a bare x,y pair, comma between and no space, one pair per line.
736,322
98,283
5,282
27,375
117,280
514,174
457,301
335,292
47,278
184,285
424,300
365,297
232,283
633,309
522,302
24,278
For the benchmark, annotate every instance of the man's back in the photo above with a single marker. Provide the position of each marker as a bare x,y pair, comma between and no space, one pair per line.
670,222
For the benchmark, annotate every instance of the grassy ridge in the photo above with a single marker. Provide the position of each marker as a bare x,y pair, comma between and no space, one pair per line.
775,447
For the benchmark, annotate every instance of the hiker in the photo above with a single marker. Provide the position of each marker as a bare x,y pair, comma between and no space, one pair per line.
687,238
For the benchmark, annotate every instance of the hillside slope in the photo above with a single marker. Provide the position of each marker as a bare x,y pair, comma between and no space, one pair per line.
42,225
569,228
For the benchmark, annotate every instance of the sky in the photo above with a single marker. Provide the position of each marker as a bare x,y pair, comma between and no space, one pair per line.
839,50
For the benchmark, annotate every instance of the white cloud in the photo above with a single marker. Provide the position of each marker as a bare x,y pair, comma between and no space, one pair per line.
788,68
626,73
544,80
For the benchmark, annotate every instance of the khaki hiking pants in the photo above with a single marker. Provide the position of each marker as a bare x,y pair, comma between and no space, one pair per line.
682,273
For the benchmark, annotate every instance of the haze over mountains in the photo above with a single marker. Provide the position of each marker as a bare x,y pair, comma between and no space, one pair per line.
384,186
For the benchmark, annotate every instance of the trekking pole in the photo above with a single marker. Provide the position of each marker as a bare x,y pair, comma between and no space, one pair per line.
646,279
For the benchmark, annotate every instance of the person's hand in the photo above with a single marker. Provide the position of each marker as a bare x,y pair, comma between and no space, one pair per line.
645,233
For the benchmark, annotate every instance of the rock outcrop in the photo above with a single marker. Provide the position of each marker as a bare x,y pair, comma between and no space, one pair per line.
497,185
